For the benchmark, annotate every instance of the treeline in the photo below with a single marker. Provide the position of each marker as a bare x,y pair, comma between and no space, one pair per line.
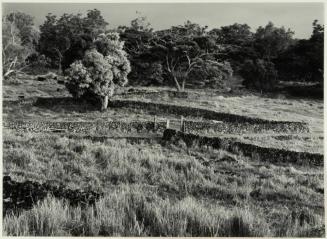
187,55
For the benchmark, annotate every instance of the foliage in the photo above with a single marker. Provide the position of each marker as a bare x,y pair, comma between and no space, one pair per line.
79,79
183,50
79,45
58,35
236,34
260,74
168,56
141,24
27,32
235,44
137,38
213,75
304,60
183,55
102,68
111,47
270,41
94,24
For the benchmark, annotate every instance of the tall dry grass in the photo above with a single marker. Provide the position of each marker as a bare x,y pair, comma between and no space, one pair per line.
128,212
159,190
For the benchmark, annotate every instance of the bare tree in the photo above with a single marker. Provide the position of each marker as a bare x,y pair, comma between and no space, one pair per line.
14,54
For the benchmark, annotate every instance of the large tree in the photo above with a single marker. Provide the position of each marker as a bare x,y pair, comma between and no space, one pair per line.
235,44
137,38
103,67
303,61
270,41
184,49
59,34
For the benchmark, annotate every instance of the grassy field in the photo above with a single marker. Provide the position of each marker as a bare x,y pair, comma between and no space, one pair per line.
297,142
156,188
254,105
175,188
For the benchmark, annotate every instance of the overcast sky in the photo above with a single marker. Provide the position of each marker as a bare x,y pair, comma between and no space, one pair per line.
297,16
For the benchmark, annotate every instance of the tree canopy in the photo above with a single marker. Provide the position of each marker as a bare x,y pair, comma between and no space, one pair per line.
18,42
58,35
103,67
187,55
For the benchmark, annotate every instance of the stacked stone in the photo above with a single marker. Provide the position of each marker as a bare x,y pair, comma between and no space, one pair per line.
273,155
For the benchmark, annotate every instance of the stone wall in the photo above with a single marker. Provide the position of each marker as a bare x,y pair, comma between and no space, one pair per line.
273,155
198,127
229,123
84,127
237,120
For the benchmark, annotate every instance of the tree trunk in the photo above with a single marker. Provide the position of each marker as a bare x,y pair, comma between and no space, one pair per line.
60,68
183,84
104,102
176,83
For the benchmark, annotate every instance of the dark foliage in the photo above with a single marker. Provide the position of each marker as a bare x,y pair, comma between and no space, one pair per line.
189,55
259,74
304,60
77,50
59,35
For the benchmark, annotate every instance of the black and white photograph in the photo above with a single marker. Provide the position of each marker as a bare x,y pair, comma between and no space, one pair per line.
163,119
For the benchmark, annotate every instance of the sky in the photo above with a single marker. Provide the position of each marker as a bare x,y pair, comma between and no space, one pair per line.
296,16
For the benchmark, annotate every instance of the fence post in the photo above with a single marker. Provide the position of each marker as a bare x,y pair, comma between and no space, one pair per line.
155,123
182,123
184,127
167,124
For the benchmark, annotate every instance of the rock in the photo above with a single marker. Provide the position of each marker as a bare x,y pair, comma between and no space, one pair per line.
6,178
41,78
255,193
227,158
320,190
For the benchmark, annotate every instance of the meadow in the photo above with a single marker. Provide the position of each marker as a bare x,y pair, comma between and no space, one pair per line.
155,187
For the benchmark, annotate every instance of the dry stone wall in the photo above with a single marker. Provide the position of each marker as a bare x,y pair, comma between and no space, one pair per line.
273,155
84,127
199,127
228,123
232,123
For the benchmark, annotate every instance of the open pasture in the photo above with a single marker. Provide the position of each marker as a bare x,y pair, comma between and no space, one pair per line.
157,187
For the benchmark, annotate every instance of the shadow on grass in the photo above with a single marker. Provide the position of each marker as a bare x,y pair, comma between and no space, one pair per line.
303,91
68,104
